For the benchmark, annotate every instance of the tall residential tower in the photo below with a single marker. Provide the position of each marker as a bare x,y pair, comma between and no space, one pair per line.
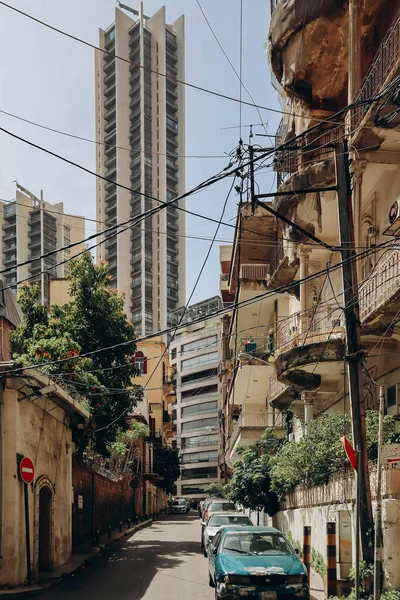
140,130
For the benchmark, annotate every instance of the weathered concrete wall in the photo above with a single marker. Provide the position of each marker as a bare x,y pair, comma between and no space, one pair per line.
46,439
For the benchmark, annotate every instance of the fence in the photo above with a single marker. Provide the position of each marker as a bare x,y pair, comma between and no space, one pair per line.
382,285
382,65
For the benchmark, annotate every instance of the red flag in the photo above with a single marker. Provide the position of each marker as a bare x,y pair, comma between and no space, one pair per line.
351,453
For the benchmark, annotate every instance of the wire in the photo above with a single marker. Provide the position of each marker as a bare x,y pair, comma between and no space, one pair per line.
85,139
211,315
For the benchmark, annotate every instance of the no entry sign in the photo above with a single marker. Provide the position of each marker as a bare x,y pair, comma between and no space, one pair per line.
26,470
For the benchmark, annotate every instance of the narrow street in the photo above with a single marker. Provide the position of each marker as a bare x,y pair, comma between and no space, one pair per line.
162,561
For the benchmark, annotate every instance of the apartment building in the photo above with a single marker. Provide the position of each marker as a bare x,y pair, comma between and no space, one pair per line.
345,53
140,130
30,228
154,373
194,358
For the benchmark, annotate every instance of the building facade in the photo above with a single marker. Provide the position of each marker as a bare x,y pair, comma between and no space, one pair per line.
32,227
140,130
194,357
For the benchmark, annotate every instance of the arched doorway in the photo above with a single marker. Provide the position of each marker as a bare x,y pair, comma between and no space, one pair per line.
45,518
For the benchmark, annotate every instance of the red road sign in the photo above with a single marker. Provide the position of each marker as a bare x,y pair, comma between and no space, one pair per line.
26,470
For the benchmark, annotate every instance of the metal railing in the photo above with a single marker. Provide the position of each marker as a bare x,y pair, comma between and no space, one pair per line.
382,285
276,387
254,272
277,256
383,63
310,148
255,345
319,324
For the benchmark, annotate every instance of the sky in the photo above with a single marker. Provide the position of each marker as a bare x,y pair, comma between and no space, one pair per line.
48,78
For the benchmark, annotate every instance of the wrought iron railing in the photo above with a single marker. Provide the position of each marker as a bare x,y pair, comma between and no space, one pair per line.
276,388
321,323
382,65
254,272
277,256
382,285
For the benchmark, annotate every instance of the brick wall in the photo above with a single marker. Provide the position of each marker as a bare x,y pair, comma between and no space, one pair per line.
102,502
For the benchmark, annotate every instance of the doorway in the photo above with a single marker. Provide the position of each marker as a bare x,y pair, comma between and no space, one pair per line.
45,555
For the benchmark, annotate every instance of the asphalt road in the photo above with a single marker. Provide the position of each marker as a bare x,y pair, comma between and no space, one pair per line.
161,562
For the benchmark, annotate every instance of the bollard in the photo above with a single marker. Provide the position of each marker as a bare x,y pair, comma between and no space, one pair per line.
307,549
120,526
331,559
109,531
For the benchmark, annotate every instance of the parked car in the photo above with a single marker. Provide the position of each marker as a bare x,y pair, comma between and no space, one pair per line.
218,505
218,520
179,506
200,508
257,562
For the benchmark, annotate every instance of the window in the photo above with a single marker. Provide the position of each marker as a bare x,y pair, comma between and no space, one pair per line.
199,457
206,374
221,520
202,473
211,340
391,396
173,354
188,490
198,441
198,409
140,363
200,424
202,392
258,543
197,361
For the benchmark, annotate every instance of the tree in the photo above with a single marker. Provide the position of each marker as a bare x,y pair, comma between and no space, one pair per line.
92,320
215,490
166,463
251,482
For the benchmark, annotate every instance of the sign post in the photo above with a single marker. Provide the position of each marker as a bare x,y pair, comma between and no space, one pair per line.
27,474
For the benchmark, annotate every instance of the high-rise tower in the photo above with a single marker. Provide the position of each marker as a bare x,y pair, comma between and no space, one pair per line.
140,130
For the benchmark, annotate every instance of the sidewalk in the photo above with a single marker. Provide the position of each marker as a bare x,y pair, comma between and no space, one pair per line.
83,555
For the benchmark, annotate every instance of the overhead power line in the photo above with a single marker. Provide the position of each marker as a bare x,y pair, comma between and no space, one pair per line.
255,299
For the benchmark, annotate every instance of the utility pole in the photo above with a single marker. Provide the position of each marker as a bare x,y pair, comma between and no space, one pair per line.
353,345
378,510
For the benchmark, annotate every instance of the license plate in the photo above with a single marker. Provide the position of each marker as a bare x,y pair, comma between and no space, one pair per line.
268,596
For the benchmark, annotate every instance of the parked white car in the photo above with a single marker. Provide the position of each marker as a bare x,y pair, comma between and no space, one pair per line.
179,506
218,520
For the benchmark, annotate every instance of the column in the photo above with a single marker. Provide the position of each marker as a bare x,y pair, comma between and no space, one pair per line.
308,401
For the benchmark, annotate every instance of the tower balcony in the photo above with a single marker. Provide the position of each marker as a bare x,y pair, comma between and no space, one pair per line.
310,348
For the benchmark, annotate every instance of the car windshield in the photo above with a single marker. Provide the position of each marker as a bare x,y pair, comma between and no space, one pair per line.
179,502
257,543
221,506
221,520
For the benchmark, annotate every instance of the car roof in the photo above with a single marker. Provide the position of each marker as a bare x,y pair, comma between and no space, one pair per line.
221,513
254,529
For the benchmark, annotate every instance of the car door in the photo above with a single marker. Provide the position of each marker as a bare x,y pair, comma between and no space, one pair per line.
212,553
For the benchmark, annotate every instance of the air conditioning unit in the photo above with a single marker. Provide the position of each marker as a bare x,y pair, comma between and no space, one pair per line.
394,219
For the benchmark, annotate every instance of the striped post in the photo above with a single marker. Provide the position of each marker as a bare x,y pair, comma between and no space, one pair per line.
331,559
307,549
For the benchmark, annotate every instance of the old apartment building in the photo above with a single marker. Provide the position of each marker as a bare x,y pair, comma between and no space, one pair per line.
286,359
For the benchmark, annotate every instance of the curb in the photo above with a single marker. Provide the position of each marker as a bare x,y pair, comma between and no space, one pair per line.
29,591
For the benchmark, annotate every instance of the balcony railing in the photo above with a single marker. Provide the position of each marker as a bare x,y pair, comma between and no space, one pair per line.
310,148
383,285
255,420
382,65
276,388
254,272
277,256
255,345
319,324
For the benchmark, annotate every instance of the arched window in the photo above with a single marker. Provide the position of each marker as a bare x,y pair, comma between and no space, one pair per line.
140,362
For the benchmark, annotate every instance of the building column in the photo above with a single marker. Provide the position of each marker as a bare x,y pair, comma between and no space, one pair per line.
308,400
354,63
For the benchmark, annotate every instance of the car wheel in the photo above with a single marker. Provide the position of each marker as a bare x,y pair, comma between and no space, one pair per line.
217,596
210,580
205,551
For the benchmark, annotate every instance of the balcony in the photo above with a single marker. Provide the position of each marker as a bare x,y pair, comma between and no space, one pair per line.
280,395
254,272
379,294
383,65
250,426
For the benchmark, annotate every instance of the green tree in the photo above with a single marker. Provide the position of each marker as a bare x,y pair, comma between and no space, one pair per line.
92,320
166,463
251,481
215,490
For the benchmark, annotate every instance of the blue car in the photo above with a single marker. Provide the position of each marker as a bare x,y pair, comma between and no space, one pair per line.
256,563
